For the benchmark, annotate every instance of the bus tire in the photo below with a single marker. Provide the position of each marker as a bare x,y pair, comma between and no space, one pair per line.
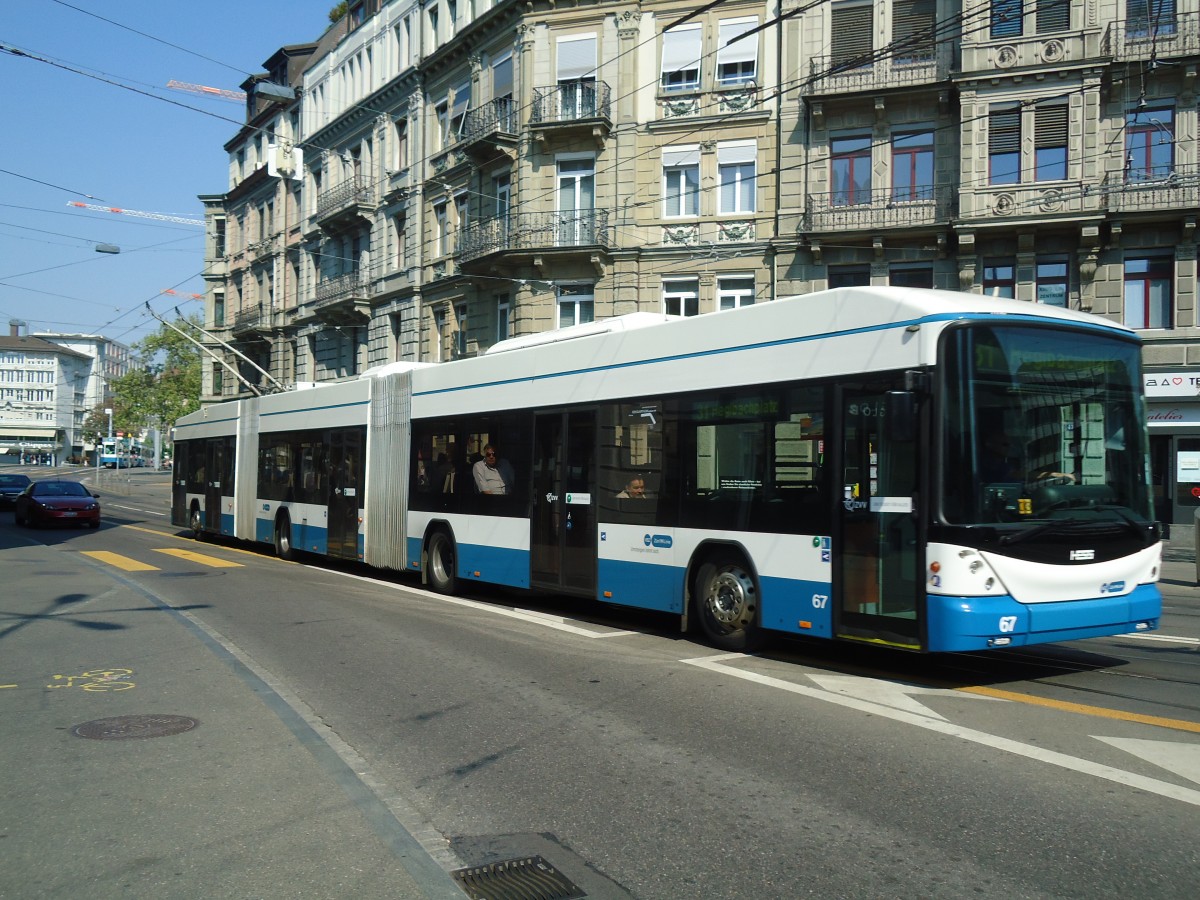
196,522
283,538
441,562
726,604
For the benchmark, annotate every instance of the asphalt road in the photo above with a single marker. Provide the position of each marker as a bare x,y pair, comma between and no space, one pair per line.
360,736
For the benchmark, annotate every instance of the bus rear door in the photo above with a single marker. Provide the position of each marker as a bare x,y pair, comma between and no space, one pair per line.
877,576
562,541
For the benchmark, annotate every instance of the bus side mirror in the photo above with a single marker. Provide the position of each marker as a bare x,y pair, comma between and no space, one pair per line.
901,416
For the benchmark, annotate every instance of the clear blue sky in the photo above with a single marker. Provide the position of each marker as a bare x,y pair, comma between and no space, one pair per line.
82,136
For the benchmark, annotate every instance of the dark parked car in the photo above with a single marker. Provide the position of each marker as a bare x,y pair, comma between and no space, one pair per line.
10,486
57,503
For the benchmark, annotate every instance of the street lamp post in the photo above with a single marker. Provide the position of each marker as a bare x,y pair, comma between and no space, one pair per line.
99,444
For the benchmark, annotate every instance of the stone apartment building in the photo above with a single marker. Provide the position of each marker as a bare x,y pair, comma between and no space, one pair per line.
48,384
446,174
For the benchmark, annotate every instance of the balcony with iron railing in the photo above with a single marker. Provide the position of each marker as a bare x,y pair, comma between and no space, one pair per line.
1166,37
250,321
913,68
534,232
866,209
490,127
1155,189
340,206
570,107
343,298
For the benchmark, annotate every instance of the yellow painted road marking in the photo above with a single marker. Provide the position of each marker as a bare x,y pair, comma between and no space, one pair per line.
121,562
192,556
7,685
224,549
1082,709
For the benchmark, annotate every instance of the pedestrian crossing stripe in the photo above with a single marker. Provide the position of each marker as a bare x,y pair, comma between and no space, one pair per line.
201,558
121,562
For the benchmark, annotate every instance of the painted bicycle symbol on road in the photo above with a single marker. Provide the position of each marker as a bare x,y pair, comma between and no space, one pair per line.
96,680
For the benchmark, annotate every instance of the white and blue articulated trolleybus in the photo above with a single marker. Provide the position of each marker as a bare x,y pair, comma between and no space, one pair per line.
919,469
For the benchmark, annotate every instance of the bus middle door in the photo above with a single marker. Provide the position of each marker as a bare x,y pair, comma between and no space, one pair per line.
345,492
878,556
562,539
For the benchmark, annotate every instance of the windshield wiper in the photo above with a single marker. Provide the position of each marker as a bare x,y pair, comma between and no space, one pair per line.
1072,524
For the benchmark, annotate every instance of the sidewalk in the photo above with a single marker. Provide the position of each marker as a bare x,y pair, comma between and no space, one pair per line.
250,801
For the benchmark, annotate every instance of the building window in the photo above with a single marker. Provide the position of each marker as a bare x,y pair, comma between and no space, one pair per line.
1006,18
1053,16
458,109
681,297
218,309
913,28
576,304
1050,141
735,166
1149,144
737,57
401,133
681,181
849,276
442,113
1052,283
1149,18
460,329
462,213
400,230
850,171
219,237
1004,145
911,276
1000,278
734,292
576,75
503,318
439,333
681,54
852,24
1148,291
912,166
441,229
218,380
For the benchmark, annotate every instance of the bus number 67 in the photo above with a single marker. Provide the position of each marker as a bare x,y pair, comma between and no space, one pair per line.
820,601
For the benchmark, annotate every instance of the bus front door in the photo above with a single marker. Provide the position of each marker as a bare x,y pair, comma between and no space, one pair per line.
345,493
562,541
876,576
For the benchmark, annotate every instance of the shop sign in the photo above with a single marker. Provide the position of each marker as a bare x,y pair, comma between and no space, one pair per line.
1177,414
1171,384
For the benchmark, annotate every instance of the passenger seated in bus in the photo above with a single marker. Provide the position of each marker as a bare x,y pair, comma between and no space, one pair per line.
635,489
493,475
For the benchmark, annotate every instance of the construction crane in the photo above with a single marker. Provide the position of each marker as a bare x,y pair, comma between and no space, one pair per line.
160,217
205,91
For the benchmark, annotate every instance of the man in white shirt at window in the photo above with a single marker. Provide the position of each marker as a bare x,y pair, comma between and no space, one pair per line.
492,474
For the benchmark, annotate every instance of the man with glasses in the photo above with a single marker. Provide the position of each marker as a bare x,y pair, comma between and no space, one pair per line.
493,475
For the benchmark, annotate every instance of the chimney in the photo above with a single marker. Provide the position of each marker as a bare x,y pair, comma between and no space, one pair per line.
14,327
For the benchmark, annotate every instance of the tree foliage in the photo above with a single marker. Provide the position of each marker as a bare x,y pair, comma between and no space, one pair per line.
163,388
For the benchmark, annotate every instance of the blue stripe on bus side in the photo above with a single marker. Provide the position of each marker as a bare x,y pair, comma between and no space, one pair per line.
966,623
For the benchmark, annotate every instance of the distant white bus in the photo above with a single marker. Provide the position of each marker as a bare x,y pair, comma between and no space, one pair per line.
827,465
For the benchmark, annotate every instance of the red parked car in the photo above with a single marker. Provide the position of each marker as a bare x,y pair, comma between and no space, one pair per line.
57,503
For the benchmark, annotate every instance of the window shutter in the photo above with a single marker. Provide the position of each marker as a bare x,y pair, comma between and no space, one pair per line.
730,49
502,77
681,156
733,152
853,27
1004,131
1053,15
913,24
577,57
681,49
1050,125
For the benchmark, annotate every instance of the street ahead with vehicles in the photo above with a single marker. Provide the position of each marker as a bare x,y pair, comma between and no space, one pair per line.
324,729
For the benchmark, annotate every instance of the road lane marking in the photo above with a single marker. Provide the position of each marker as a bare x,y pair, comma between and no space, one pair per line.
895,694
121,562
1182,759
1162,638
1084,710
200,558
138,509
224,548
1006,745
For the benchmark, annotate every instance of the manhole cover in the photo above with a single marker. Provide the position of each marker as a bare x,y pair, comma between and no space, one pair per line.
130,728
526,878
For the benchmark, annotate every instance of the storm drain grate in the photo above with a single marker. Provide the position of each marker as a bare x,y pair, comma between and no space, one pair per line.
130,728
525,878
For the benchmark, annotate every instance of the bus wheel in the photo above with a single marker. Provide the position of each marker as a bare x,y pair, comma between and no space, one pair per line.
441,563
283,538
726,602
196,522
